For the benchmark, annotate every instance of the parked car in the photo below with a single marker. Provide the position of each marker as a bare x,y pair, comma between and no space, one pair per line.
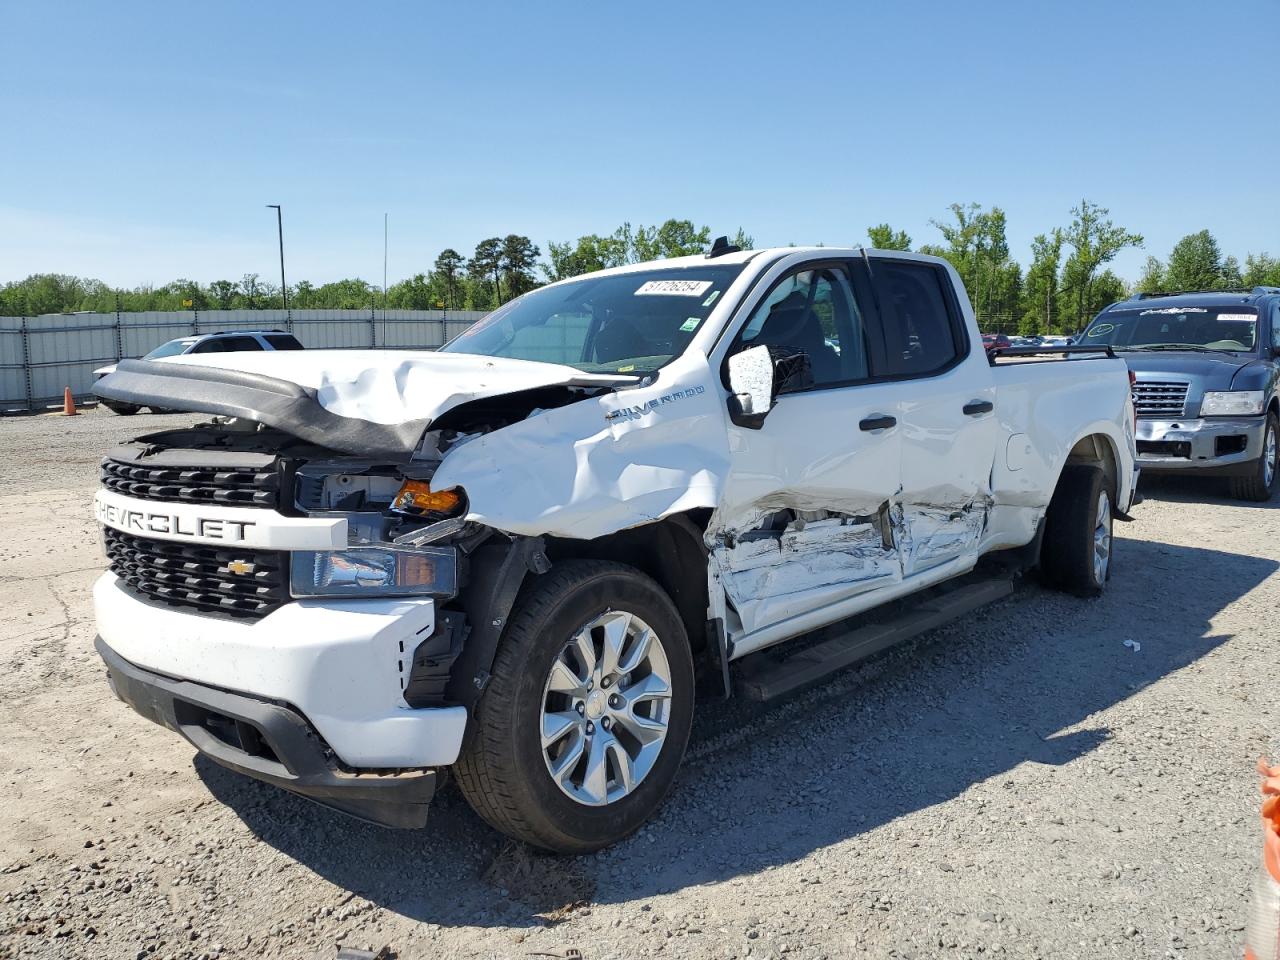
512,557
223,342
995,341
1207,373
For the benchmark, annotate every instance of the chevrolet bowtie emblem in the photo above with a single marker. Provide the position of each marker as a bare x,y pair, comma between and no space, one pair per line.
240,567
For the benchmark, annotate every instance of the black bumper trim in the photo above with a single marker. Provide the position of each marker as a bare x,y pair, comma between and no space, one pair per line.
269,742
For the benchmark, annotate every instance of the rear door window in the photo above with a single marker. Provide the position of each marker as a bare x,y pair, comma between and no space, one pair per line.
921,326
282,341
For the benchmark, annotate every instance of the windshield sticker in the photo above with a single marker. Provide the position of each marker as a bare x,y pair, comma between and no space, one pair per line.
1100,329
689,325
1174,310
1236,317
711,299
674,288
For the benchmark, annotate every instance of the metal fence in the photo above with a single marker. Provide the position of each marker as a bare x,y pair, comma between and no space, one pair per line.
40,356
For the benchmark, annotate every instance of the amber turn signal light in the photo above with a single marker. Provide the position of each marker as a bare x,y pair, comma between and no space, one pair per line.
416,496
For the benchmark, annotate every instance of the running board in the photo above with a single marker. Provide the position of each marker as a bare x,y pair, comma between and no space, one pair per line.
769,678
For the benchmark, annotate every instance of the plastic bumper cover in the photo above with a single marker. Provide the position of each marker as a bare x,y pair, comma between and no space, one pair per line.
1193,444
342,664
269,742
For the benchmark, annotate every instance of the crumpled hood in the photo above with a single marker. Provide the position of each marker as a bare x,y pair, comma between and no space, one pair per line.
372,403
395,386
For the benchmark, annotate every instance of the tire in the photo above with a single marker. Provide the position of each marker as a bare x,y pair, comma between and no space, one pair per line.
1257,485
124,409
1075,554
505,769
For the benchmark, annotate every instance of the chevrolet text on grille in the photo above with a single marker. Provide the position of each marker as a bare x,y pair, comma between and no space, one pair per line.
211,528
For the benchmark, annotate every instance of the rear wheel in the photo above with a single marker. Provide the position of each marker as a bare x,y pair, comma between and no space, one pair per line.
124,409
1259,484
1075,554
579,733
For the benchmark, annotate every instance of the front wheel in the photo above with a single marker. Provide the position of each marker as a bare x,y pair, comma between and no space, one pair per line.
124,409
579,733
1259,484
1075,554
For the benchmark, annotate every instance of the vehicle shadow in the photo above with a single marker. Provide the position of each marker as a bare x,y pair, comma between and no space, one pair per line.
1176,488
766,786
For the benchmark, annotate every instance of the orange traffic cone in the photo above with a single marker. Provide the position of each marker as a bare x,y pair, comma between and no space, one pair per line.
1262,934
68,403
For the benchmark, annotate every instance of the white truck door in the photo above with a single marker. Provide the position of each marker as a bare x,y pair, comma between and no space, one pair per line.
804,519
947,422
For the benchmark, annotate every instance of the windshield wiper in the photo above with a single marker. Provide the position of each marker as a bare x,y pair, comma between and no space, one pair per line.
1175,346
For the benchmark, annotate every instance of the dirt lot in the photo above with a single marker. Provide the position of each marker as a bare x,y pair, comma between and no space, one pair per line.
1021,784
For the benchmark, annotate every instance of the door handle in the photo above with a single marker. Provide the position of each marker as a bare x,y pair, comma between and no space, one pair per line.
879,421
975,407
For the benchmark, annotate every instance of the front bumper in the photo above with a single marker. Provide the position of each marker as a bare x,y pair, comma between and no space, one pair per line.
1221,445
342,664
269,742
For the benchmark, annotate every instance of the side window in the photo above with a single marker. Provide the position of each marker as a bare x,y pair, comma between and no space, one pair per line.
817,312
920,336
1275,326
208,346
282,341
234,344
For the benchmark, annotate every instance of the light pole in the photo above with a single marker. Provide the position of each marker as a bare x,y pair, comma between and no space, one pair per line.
284,287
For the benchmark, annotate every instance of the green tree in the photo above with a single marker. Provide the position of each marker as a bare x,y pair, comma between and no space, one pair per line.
979,250
416,293
1152,279
1041,287
1094,240
1261,270
588,253
181,291
349,294
884,237
743,240
223,293
1196,264
680,238
251,290
519,257
485,266
448,267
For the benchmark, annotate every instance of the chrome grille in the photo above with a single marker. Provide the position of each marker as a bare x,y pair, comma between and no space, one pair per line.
226,486
200,576
1160,398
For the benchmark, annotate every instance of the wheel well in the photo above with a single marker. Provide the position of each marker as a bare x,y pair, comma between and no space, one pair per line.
1274,406
1096,449
671,551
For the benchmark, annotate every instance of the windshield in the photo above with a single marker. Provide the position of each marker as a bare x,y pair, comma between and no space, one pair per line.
624,323
1176,328
170,349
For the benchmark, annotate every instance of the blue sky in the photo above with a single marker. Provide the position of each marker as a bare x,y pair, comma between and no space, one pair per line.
142,140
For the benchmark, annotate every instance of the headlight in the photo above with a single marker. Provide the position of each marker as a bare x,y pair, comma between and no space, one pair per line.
374,572
1232,403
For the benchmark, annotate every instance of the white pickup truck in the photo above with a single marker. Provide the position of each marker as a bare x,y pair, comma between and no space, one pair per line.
519,557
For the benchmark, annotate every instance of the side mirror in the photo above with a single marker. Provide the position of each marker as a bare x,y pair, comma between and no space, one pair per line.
757,375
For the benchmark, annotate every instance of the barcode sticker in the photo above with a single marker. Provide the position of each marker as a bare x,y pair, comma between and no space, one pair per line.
674,288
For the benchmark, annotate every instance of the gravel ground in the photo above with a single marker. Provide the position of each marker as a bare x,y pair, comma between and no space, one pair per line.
1020,784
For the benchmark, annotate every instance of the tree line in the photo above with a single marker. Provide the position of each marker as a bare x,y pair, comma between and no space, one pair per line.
1066,283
